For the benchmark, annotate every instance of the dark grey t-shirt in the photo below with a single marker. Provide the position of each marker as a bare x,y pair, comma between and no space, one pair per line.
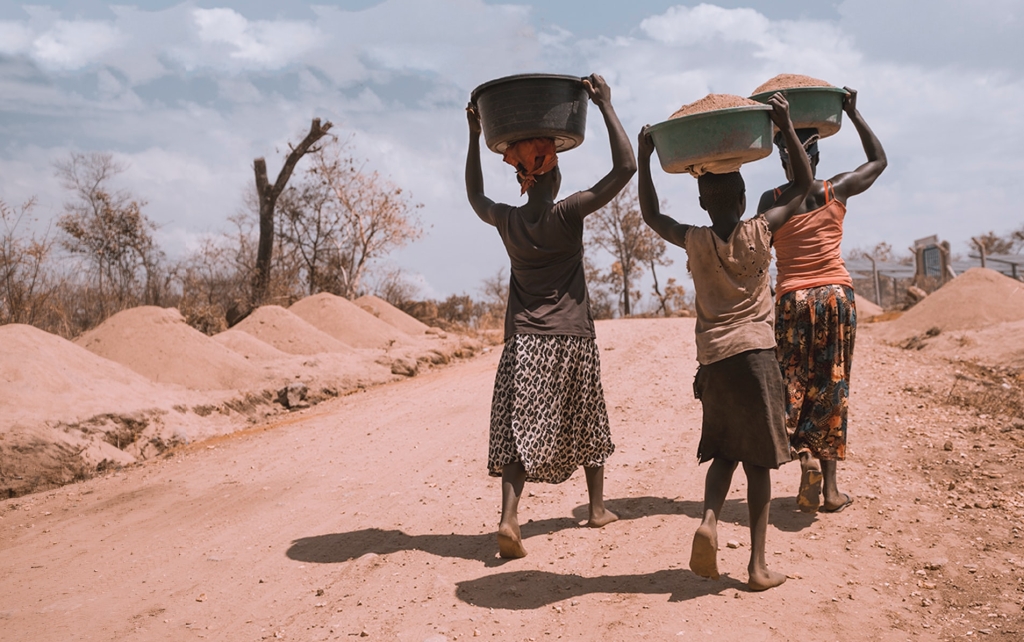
547,291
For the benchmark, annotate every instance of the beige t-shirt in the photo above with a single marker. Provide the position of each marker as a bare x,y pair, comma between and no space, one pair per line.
735,312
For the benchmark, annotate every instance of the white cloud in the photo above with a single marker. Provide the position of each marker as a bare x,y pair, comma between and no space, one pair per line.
685,26
261,44
15,38
73,45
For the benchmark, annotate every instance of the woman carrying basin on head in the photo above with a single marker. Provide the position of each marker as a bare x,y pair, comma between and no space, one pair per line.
548,414
816,315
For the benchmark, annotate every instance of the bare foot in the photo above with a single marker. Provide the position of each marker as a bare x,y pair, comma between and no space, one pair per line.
809,497
602,517
762,579
704,555
510,541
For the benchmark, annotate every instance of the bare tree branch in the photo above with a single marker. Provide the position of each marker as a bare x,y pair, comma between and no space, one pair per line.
268,195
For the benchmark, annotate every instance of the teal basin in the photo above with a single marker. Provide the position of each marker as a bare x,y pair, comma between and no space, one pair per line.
740,134
820,108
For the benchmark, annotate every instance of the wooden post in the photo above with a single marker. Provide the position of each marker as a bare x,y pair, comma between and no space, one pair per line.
874,278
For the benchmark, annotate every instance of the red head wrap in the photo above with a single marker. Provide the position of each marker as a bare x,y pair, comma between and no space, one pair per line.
531,158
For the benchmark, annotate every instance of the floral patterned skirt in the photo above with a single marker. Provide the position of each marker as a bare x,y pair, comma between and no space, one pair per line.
548,410
814,331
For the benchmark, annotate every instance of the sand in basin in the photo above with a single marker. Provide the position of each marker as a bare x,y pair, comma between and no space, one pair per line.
248,346
44,377
159,345
713,102
285,331
976,299
390,314
789,81
347,322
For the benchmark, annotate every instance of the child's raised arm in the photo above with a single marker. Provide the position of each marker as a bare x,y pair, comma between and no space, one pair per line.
667,227
474,173
792,197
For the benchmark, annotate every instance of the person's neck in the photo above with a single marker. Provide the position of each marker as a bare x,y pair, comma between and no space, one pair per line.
723,223
539,198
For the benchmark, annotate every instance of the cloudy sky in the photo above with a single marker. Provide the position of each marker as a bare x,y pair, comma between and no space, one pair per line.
188,93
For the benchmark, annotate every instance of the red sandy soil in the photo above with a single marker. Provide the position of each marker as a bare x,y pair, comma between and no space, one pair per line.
979,298
867,309
159,345
148,382
288,332
789,81
371,516
252,348
386,312
347,322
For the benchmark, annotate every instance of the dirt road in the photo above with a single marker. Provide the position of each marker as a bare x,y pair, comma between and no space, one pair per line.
371,516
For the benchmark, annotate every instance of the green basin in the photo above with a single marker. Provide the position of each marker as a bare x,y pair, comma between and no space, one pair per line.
820,108
741,134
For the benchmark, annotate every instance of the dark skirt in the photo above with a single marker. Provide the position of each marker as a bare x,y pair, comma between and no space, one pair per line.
744,413
548,409
815,331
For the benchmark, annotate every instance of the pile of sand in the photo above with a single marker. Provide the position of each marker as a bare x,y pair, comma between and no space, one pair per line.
248,346
976,299
347,322
46,378
866,308
1001,344
789,81
159,345
285,331
390,314
713,102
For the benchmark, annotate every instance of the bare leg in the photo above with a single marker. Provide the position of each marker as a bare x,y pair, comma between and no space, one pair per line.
510,540
833,498
759,496
599,515
704,555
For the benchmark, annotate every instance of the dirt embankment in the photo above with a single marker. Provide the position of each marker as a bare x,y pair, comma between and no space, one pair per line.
144,381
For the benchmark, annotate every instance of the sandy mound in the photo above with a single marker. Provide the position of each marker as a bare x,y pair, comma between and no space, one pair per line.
976,299
248,346
866,308
158,344
711,102
347,322
44,377
390,314
996,345
788,81
285,331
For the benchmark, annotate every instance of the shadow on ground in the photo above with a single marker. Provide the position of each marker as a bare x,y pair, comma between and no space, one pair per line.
523,590
342,547
335,548
784,514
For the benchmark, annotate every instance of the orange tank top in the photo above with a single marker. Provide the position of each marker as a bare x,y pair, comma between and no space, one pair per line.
807,248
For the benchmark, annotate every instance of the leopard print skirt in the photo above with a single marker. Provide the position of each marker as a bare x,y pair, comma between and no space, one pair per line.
548,409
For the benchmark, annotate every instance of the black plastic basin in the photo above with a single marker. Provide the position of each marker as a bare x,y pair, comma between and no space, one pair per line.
532,106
